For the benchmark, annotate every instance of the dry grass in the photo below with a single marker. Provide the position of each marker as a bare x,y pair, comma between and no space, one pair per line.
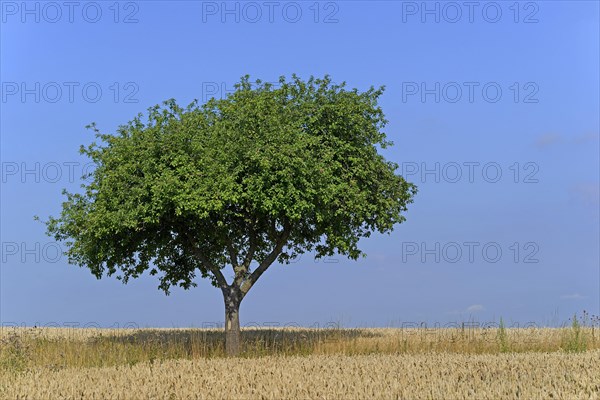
301,363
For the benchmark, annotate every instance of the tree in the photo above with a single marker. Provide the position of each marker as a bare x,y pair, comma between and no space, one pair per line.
264,175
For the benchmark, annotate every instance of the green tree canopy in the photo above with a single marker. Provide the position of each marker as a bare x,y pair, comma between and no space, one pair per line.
265,174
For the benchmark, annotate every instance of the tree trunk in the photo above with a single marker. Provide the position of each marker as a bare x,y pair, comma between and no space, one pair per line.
232,322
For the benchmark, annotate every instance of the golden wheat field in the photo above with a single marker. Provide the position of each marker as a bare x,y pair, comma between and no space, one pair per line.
297,363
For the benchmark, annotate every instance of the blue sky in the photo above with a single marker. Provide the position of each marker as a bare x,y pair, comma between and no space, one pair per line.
494,112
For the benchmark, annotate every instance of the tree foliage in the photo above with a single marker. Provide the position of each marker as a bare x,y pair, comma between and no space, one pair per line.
264,175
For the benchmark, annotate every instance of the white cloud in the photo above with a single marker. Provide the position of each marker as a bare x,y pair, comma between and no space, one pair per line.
574,296
471,309
586,138
474,308
547,139
550,139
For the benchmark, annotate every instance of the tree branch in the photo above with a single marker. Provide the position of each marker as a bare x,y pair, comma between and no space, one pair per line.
209,265
232,254
251,248
241,273
281,241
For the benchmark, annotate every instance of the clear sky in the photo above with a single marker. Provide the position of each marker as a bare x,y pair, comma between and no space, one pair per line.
493,108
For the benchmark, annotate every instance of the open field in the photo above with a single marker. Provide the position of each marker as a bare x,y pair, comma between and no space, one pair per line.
301,363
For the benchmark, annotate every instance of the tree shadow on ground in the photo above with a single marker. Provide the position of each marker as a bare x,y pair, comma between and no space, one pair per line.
255,341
